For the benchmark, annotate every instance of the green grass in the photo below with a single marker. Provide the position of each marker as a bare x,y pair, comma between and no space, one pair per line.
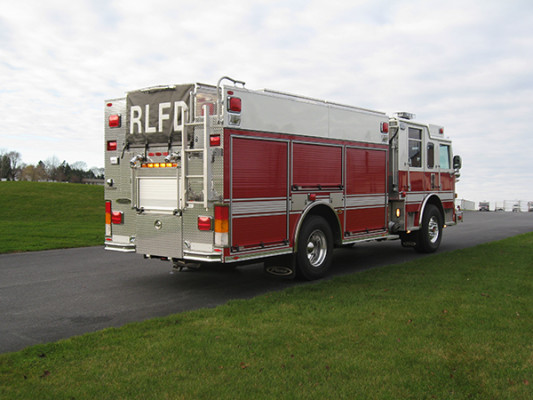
455,325
39,216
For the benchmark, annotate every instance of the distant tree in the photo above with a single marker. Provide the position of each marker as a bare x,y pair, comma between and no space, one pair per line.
81,165
28,173
33,173
51,164
40,172
15,161
11,168
62,172
9,165
5,167
98,172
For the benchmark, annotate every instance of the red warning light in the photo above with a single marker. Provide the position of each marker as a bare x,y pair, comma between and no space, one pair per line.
234,104
114,121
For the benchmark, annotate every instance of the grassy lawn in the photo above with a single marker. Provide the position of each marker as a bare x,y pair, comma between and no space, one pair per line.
38,216
455,325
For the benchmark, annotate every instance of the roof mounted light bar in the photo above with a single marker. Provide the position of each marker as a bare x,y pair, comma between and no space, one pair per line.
405,115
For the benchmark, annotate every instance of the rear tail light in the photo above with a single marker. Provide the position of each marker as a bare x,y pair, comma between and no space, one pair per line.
115,121
234,104
204,223
108,218
384,127
116,217
222,226
214,140
111,217
111,145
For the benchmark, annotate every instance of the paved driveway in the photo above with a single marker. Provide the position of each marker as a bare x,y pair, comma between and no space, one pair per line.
50,295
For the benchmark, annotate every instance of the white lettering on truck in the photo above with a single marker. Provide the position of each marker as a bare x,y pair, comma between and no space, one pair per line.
162,115
136,117
147,127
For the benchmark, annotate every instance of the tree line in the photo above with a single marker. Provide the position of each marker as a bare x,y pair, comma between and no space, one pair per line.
50,170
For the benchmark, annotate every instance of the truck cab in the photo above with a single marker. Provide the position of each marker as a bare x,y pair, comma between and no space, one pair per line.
423,172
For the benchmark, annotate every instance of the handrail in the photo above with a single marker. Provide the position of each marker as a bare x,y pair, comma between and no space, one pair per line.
207,170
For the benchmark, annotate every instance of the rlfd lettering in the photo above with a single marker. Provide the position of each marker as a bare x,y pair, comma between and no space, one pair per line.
136,117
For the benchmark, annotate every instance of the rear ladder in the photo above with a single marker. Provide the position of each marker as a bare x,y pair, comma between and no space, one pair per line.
206,175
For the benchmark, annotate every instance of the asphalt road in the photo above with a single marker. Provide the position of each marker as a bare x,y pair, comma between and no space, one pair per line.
50,295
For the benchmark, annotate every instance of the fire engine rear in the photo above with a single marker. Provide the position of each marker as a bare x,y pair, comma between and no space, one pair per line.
222,174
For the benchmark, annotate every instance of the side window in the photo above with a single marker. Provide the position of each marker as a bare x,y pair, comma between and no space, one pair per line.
444,156
431,155
415,147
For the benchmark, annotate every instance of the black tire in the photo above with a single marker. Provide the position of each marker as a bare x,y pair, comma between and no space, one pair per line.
315,249
430,233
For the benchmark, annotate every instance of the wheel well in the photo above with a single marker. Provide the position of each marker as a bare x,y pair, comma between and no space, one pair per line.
331,218
434,200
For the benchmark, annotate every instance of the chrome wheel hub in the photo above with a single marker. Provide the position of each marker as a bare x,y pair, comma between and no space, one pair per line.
433,230
317,248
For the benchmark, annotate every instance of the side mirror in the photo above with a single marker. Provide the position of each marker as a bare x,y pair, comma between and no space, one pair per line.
457,162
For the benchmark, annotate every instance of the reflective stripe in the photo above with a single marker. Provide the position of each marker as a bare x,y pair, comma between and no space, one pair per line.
418,197
361,201
258,207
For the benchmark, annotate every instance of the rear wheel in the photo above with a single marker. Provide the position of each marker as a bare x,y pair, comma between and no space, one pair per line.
315,248
430,233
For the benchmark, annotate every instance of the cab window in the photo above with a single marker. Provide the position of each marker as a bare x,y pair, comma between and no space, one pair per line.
431,155
444,156
415,147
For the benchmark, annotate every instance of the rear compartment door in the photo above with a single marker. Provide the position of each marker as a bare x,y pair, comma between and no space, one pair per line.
159,222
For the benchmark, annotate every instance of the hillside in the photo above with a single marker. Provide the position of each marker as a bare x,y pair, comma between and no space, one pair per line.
42,215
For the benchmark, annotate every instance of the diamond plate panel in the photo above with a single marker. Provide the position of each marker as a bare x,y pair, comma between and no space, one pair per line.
190,225
159,235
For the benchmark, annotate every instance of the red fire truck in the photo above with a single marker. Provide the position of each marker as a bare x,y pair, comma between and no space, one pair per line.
222,174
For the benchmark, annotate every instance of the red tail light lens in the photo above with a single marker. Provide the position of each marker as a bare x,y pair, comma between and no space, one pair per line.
222,226
221,219
204,223
116,217
214,140
111,145
108,218
114,121
384,127
234,104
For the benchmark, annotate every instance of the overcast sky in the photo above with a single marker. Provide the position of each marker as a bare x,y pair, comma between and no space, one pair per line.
463,64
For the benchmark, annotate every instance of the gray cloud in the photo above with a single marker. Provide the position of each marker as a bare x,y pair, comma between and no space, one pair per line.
461,64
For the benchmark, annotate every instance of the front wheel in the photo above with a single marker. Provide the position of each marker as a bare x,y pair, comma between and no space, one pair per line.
315,249
430,233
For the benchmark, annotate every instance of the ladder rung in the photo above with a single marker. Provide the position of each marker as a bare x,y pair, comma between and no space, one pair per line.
194,150
194,176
